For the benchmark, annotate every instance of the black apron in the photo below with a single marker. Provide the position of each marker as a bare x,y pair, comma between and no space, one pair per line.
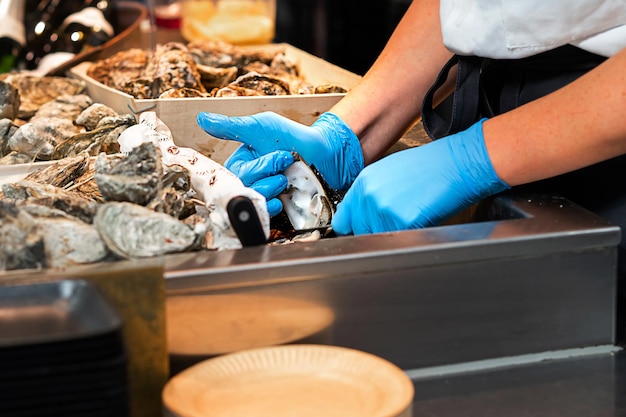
485,88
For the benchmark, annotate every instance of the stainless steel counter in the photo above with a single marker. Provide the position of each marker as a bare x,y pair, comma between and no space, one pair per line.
575,387
529,274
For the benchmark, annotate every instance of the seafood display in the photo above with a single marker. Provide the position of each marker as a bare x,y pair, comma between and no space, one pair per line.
150,199
53,218
211,182
203,69
50,118
116,186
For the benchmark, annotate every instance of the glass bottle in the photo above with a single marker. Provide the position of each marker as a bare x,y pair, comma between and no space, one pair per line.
40,24
12,34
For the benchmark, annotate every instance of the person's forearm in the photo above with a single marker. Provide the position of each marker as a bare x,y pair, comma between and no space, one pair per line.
388,100
581,124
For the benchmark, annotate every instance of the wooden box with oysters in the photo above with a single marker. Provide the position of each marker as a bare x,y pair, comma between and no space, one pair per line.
179,80
86,192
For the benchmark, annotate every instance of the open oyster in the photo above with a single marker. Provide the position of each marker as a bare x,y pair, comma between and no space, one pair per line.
308,201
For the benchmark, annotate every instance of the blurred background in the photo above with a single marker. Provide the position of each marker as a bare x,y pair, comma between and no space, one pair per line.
342,32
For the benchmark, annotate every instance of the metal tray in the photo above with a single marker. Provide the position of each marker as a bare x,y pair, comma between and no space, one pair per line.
53,312
527,274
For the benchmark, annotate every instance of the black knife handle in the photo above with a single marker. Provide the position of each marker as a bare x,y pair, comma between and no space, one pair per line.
245,221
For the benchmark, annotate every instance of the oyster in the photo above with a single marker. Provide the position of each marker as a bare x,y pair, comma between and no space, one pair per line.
101,139
133,231
9,101
329,89
7,129
202,69
172,67
48,238
254,84
22,244
62,172
48,195
13,158
135,178
182,93
214,77
71,242
39,137
119,69
308,202
91,116
35,91
64,107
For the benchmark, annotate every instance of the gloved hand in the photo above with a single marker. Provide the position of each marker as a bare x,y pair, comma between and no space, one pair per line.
419,187
268,140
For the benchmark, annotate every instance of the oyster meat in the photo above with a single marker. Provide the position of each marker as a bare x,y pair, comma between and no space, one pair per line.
307,201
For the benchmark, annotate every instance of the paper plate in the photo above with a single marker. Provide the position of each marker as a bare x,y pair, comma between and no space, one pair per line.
16,172
207,325
293,380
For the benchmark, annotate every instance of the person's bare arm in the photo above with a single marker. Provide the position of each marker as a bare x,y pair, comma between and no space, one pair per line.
581,124
388,100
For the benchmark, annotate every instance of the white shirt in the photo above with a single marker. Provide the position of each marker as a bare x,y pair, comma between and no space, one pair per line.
506,29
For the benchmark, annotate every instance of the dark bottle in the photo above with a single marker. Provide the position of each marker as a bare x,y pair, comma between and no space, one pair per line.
57,29
40,24
105,6
82,30
12,36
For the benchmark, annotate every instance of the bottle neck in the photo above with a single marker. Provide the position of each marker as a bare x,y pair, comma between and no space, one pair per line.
12,18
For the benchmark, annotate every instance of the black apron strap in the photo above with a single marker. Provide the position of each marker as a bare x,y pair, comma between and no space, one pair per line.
465,99
487,87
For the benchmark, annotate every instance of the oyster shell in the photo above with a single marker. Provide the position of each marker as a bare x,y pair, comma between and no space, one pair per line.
133,231
40,137
7,129
13,158
214,77
48,195
9,101
71,242
202,69
22,244
135,178
101,139
308,202
119,69
92,115
49,238
173,67
62,172
254,84
35,90
64,107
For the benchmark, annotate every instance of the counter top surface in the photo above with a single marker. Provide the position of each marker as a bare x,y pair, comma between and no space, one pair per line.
590,386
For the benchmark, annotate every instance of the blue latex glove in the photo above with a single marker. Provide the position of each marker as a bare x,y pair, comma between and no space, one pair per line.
268,141
419,187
